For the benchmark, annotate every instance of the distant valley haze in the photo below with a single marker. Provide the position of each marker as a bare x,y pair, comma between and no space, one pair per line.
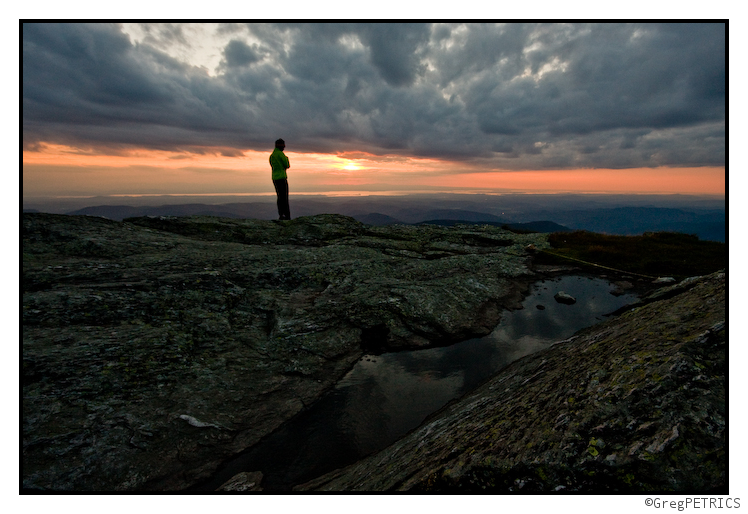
704,216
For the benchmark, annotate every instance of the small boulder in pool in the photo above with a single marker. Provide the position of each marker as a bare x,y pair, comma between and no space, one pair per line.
562,297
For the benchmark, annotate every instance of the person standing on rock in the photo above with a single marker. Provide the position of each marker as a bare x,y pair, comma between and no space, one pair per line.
279,164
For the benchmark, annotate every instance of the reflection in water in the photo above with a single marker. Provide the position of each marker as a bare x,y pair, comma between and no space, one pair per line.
397,392
385,396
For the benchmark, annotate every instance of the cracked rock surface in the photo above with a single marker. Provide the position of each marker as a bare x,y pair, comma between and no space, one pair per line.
156,348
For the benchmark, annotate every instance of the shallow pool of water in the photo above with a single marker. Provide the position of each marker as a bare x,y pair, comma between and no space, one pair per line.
385,396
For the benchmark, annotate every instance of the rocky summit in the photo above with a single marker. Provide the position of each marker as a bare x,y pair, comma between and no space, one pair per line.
635,404
156,348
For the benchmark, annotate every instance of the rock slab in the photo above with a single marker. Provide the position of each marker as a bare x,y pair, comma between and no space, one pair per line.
156,348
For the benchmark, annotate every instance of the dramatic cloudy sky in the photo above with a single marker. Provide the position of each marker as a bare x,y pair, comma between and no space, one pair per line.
173,108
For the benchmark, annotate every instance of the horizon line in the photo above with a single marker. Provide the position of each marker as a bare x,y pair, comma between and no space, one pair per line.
353,193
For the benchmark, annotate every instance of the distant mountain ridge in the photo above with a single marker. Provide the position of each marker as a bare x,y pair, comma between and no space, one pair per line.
231,210
453,214
377,219
532,226
707,224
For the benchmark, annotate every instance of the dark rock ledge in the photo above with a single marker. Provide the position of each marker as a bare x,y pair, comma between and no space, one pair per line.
634,404
156,348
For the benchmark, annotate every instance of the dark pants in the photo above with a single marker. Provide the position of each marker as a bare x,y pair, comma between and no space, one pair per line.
281,188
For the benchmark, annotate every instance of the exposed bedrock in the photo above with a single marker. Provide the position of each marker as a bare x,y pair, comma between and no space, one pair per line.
156,348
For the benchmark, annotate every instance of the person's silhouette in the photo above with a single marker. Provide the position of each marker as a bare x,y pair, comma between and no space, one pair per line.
279,164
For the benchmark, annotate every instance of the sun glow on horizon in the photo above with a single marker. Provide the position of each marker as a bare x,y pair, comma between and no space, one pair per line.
59,169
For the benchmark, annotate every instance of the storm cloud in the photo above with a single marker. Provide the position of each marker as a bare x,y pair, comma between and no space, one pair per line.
515,96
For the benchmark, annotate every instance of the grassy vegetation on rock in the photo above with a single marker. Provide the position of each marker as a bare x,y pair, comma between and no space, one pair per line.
656,254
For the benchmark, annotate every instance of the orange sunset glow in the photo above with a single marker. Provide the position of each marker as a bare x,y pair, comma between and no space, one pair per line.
58,169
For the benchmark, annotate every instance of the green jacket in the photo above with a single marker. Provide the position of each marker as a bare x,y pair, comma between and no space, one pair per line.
279,163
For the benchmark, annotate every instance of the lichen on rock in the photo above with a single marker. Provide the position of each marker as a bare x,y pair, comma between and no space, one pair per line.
158,347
